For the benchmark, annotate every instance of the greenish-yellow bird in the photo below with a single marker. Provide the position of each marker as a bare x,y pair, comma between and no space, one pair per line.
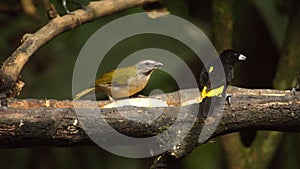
123,82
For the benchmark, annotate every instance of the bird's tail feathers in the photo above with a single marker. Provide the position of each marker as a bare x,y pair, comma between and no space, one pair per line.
84,92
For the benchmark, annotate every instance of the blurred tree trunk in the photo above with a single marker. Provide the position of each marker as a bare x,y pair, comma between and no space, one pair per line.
286,75
289,63
236,155
223,23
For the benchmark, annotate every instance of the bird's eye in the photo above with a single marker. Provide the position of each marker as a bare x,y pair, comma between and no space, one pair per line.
147,63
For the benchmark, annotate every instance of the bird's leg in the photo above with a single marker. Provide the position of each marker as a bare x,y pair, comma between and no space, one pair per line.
297,87
293,91
228,98
64,4
111,99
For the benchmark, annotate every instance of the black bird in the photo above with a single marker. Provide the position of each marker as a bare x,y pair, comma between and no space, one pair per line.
228,59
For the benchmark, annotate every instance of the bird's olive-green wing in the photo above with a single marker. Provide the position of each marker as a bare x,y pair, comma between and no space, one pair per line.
119,76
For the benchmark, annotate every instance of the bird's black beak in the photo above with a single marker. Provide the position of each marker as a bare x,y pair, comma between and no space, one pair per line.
242,57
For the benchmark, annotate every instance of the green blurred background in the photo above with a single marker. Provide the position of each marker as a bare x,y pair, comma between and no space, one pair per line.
267,32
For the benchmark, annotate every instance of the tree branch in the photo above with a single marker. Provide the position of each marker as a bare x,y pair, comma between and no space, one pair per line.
34,122
12,67
51,122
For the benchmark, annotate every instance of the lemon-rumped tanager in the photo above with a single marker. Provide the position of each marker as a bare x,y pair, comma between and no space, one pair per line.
123,82
228,59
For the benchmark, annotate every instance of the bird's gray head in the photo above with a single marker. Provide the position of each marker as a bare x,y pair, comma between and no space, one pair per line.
147,66
231,56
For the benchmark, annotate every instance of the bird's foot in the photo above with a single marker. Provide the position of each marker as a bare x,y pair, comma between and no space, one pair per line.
3,100
3,103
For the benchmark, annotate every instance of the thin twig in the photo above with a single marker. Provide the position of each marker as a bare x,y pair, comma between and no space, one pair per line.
12,67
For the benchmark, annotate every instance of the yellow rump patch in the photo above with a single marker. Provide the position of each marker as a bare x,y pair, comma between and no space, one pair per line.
211,69
212,92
